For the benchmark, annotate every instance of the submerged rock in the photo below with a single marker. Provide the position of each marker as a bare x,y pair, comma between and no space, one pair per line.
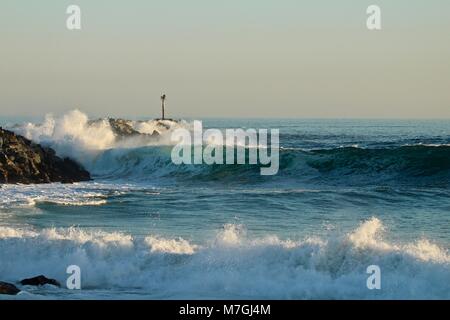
22,161
39,281
8,288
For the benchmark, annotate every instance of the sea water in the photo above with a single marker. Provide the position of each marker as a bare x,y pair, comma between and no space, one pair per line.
348,194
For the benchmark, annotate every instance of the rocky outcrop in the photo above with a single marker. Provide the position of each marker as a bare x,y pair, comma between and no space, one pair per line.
122,128
39,281
22,161
8,288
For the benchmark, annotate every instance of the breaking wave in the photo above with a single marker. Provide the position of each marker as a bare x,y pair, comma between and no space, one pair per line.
230,265
107,155
73,135
415,165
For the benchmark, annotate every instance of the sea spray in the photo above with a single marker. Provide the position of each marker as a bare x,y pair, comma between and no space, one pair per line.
233,265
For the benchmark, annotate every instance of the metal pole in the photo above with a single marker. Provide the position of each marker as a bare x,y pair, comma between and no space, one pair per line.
163,105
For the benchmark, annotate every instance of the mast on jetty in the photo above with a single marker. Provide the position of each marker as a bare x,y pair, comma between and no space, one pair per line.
163,105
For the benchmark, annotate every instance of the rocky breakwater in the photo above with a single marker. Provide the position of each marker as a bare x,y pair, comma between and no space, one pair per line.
22,161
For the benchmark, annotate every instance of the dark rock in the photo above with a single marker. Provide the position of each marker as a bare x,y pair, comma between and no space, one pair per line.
165,123
8,288
39,281
22,161
123,128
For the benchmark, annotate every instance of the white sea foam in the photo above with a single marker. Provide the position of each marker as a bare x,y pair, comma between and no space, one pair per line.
78,194
71,135
177,246
232,265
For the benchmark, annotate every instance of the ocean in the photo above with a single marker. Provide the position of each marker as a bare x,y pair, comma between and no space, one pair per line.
349,193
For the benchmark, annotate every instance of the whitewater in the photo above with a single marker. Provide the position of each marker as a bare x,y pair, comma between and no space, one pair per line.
349,194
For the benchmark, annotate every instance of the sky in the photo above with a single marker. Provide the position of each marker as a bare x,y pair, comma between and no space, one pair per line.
234,58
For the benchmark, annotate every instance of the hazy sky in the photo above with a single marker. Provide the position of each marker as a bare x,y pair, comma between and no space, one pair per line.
252,58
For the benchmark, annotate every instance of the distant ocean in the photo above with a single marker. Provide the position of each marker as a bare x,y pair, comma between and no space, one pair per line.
349,194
